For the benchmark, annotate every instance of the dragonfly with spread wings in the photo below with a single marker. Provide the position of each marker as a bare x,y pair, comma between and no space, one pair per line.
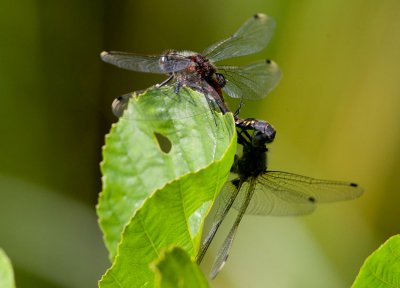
253,81
258,191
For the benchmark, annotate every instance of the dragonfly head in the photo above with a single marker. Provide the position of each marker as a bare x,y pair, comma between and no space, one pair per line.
259,138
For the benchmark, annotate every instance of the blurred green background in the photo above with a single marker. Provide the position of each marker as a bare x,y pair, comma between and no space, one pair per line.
336,111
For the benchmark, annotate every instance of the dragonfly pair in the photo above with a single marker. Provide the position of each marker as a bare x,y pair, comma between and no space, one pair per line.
254,190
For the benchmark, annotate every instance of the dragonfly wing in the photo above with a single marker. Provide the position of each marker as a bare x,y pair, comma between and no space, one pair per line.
321,191
223,253
284,194
253,81
230,191
134,62
277,200
250,38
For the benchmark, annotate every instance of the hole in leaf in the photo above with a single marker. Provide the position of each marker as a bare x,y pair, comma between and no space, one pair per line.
163,142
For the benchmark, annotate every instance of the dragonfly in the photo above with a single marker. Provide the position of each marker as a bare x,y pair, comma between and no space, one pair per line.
258,191
253,81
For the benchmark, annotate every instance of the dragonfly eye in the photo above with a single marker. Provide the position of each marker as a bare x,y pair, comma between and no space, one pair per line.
261,138
166,57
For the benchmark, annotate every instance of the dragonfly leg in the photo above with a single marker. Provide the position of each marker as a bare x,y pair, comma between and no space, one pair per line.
166,81
238,109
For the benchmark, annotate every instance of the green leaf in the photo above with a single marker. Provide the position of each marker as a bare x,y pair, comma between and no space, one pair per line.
382,268
176,270
168,191
171,216
6,271
134,165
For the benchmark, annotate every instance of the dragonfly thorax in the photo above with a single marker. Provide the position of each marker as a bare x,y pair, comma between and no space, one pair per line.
253,162
203,66
187,62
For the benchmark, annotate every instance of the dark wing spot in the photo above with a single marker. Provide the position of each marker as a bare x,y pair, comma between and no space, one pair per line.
268,61
311,199
353,185
163,142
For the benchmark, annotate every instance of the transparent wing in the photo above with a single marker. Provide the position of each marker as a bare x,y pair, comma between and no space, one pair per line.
223,253
134,62
283,194
250,38
276,193
147,63
276,201
253,81
322,191
220,215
